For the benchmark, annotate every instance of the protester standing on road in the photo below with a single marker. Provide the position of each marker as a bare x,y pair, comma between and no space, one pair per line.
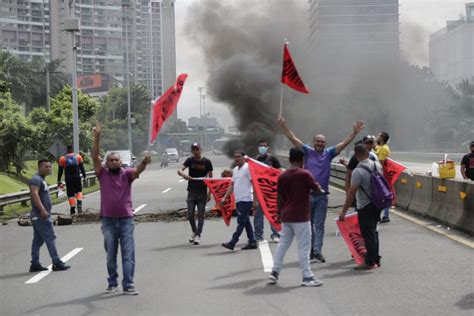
242,188
294,186
383,152
198,194
467,164
116,213
368,214
353,162
72,165
318,161
258,221
43,231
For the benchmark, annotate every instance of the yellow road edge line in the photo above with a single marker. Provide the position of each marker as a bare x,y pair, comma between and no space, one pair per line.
461,240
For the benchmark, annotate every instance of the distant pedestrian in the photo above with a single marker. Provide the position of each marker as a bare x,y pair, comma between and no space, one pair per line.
368,214
242,188
116,213
467,164
198,193
43,231
267,158
317,160
383,152
72,165
294,187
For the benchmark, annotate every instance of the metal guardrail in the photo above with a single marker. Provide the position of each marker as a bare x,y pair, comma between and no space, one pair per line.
24,196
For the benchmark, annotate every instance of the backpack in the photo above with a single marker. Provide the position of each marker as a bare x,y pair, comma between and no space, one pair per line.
71,160
382,196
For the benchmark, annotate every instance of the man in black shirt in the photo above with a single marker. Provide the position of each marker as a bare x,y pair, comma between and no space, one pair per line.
198,195
467,164
272,161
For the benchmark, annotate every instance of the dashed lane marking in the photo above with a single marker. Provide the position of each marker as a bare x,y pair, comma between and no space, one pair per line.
138,209
266,254
167,190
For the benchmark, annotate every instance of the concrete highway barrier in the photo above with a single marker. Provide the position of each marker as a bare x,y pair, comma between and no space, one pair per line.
422,194
404,189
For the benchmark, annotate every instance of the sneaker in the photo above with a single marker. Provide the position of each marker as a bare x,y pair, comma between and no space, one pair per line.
312,257
249,246
259,239
365,266
111,289
312,281
193,236
319,257
61,266
197,240
275,239
273,278
130,291
384,220
37,268
228,245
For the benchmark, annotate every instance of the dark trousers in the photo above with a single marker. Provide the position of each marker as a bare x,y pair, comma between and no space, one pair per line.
368,217
243,222
199,200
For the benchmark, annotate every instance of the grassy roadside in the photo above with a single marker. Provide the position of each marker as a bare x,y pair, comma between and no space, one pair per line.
16,210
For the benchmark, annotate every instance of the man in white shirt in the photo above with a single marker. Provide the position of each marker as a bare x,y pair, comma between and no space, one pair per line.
242,188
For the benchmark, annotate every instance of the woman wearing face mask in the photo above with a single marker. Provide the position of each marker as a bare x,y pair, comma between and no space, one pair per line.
272,161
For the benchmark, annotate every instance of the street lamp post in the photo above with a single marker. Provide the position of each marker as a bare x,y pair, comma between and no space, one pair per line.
205,120
72,26
200,113
129,107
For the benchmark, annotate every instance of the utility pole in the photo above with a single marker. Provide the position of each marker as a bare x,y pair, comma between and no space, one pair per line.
129,110
46,63
200,113
205,120
72,26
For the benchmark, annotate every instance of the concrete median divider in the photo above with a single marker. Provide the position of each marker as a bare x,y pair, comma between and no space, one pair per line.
466,222
404,191
422,194
437,209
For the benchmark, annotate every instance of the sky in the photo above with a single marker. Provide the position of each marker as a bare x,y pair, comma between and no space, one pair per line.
418,19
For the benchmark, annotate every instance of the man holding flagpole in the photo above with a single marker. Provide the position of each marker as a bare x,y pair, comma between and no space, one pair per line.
318,161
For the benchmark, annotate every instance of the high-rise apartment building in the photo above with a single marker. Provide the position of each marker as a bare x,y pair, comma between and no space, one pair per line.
110,31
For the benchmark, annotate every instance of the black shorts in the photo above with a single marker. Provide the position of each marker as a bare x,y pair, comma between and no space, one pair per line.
73,186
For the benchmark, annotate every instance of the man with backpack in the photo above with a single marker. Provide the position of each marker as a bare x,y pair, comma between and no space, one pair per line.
372,194
71,164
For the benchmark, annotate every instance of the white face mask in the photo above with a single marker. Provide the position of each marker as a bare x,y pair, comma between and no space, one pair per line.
262,150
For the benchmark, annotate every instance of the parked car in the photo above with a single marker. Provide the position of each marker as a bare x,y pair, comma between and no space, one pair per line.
128,159
173,154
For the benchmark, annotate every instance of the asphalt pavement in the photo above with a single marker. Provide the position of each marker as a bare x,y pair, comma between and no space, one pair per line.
422,273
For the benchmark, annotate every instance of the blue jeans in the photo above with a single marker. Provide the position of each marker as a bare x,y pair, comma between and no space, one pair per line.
386,212
258,223
319,210
117,231
243,221
199,200
302,231
43,233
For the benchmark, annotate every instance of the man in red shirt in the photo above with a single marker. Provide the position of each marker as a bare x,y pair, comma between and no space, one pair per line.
294,187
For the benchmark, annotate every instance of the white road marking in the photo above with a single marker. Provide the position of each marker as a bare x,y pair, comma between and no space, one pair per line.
181,180
266,254
138,209
167,190
43,274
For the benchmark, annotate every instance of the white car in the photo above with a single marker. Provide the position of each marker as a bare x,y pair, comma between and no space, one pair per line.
173,154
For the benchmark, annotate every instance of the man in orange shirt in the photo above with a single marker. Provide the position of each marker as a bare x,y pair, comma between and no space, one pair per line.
71,164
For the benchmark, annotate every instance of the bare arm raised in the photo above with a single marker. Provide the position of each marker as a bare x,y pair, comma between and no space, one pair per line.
357,127
289,133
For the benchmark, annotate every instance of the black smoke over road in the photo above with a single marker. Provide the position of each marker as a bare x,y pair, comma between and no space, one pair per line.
242,42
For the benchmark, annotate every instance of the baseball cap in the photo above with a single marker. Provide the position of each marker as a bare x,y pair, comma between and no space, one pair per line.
370,138
195,146
472,143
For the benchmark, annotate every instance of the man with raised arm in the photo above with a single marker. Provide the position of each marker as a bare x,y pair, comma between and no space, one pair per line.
116,213
317,160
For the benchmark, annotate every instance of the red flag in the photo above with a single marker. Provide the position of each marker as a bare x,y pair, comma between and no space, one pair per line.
290,75
165,105
218,188
350,232
265,185
392,170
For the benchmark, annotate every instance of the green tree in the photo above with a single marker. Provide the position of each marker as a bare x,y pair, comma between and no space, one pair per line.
15,133
113,115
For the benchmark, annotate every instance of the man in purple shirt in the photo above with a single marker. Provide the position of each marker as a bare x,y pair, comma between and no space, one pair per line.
317,160
116,213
